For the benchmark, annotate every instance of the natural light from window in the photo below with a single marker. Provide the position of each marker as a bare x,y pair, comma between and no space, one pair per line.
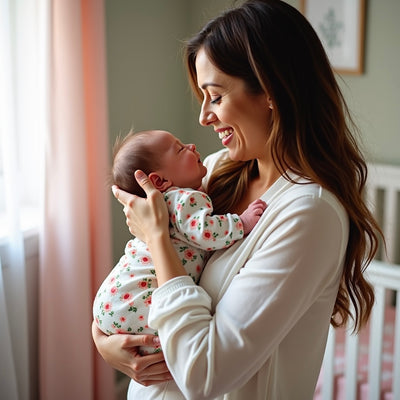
23,114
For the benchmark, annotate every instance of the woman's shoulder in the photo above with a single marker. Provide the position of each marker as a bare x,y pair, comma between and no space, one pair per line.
303,197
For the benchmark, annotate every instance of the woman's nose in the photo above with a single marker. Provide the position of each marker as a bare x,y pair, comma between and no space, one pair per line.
206,116
191,147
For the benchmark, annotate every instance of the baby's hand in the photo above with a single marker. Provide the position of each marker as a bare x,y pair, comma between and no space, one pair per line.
252,214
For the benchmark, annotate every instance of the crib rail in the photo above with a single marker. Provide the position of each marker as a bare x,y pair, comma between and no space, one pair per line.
384,277
383,198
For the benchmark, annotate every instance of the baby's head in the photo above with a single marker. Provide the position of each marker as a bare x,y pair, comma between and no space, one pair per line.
161,156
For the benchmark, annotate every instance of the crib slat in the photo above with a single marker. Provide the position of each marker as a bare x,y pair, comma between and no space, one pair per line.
396,360
375,344
389,223
351,366
329,366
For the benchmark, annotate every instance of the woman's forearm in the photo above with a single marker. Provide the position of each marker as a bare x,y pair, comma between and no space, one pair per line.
166,261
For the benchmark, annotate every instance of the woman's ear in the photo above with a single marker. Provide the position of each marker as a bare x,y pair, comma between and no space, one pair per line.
160,183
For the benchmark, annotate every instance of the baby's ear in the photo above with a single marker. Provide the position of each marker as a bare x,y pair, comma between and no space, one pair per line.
160,183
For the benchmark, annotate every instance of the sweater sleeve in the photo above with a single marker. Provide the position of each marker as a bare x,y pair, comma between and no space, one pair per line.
191,216
295,264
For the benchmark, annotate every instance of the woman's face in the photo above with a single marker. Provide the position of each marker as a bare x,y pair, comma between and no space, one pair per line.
241,119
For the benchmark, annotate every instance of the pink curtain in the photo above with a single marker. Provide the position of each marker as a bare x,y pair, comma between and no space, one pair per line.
75,240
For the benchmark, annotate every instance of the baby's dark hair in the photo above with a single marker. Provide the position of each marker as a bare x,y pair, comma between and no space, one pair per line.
131,153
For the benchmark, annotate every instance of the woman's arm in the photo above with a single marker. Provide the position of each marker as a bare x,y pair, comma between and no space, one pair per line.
214,347
121,353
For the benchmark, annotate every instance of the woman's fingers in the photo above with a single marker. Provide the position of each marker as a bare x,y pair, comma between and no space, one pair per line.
122,196
121,352
144,181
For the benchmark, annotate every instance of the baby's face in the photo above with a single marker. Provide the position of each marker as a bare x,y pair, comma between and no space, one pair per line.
181,162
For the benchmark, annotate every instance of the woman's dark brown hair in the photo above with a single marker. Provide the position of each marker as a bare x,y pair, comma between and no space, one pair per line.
273,48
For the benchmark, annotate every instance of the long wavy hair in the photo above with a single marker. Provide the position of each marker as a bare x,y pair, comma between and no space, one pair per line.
274,49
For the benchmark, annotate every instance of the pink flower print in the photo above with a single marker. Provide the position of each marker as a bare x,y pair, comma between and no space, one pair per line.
193,223
198,268
193,238
131,275
211,222
239,225
207,235
133,252
173,218
113,290
142,284
122,319
181,191
129,245
169,202
226,233
147,302
141,318
222,217
192,200
108,307
145,260
112,280
126,297
189,254
188,216
179,207
208,205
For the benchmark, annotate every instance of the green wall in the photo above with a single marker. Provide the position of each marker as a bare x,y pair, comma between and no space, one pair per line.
147,84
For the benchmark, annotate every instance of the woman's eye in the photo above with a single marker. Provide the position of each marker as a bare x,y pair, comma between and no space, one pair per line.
216,100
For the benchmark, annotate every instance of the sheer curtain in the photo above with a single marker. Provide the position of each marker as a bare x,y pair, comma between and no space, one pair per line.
22,119
53,168
76,244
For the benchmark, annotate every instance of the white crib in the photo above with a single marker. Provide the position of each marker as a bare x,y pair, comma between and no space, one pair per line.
360,366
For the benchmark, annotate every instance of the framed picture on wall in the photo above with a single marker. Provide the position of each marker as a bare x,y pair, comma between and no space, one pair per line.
340,25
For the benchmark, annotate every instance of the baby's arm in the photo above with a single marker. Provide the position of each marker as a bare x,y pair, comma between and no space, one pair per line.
252,214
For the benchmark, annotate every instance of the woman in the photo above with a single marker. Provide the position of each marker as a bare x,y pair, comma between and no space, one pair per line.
263,307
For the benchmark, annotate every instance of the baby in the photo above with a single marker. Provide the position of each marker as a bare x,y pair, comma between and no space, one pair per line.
122,302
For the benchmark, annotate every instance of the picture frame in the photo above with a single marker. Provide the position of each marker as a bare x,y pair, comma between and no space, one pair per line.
340,25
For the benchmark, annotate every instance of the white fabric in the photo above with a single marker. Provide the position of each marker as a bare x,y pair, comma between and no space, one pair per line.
23,50
256,327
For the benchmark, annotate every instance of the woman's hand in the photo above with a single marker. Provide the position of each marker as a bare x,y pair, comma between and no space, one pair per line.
144,217
121,352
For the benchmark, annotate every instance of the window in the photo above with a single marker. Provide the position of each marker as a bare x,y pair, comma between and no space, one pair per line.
23,111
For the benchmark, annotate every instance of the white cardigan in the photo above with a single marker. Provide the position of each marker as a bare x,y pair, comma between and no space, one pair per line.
256,327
